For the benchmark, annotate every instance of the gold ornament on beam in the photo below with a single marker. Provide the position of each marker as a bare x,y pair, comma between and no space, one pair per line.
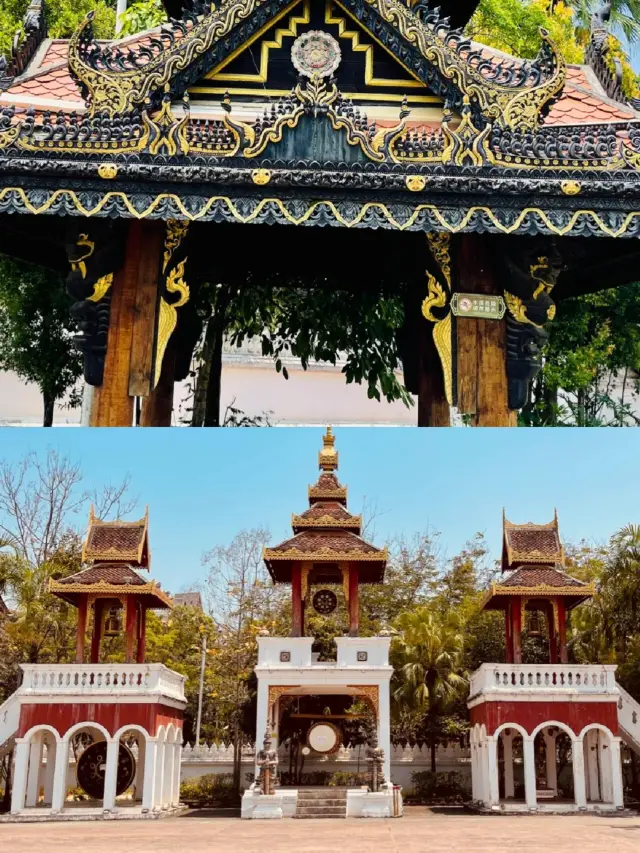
176,231
439,297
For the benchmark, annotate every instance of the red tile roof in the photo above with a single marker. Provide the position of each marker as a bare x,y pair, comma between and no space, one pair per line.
325,544
117,574
122,541
531,543
533,576
56,83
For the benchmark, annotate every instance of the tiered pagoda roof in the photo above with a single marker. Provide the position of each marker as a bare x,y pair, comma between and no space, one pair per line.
534,557
326,532
114,551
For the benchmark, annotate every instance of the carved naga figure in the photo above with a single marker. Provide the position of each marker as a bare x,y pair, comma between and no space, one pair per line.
530,269
267,761
95,251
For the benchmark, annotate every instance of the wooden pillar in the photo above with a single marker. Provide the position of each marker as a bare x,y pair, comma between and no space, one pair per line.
157,408
130,628
481,344
516,629
97,631
553,637
433,408
132,327
354,606
508,634
562,631
142,635
296,600
82,628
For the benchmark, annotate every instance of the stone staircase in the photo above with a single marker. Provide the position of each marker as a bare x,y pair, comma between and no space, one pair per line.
321,802
629,720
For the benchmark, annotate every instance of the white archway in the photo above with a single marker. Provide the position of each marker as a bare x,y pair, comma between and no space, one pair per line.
548,781
505,734
602,765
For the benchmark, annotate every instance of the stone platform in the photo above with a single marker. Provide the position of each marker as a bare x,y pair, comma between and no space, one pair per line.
421,831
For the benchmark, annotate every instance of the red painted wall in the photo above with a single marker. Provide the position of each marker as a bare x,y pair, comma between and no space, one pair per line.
112,716
576,715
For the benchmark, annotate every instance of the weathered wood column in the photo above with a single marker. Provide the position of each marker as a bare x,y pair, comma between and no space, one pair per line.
433,408
132,327
562,631
354,606
296,601
157,407
97,631
130,629
82,628
516,629
481,344
141,650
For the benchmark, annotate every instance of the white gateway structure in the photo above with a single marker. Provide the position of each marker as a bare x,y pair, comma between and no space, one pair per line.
309,698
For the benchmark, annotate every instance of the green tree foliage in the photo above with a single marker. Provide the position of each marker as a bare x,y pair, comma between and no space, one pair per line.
36,332
63,18
591,362
142,15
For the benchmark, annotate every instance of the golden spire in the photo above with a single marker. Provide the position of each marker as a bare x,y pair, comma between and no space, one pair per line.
328,456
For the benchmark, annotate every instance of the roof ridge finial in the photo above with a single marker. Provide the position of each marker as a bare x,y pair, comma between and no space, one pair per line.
328,456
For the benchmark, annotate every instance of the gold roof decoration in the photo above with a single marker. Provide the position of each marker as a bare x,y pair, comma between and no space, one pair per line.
116,541
531,543
328,456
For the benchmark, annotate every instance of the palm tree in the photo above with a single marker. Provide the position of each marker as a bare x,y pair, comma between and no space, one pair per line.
625,16
428,658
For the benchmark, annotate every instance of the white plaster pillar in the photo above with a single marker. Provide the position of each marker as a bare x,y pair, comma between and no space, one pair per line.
492,770
52,749
148,785
111,776
20,772
604,762
591,739
177,760
139,781
528,755
384,726
484,771
475,788
550,754
33,775
507,751
159,780
616,774
167,784
585,764
579,786
59,794
261,716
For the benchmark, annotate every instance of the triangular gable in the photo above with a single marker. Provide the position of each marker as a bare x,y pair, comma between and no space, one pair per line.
510,95
262,68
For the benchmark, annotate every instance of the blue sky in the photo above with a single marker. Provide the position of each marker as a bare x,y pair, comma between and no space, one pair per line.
202,486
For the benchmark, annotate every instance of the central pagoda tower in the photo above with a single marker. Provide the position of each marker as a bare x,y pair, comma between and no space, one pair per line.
325,550
325,560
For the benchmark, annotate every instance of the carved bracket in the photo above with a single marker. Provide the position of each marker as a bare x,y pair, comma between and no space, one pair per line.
436,307
96,252
174,290
530,269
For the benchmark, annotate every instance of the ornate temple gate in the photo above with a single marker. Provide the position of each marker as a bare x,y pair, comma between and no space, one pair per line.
432,162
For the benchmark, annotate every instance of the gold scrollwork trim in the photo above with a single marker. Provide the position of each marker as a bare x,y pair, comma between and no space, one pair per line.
102,588
329,494
326,555
304,580
452,227
345,583
275,692
327,521
371,694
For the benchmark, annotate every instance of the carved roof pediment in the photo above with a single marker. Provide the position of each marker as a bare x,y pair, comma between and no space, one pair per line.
120,80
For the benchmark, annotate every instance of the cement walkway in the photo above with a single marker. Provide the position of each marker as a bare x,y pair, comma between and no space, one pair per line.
420,830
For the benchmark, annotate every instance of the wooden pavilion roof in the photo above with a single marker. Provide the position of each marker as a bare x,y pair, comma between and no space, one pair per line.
531,543
126,541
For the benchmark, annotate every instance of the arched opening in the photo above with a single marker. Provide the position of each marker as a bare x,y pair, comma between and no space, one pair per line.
511,766
598,766
554,767
81,782
33,780
132,749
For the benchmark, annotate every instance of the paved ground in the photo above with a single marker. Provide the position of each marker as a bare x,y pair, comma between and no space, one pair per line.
419,830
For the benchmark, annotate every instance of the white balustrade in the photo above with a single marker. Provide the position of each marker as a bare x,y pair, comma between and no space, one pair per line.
553,678
101,679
